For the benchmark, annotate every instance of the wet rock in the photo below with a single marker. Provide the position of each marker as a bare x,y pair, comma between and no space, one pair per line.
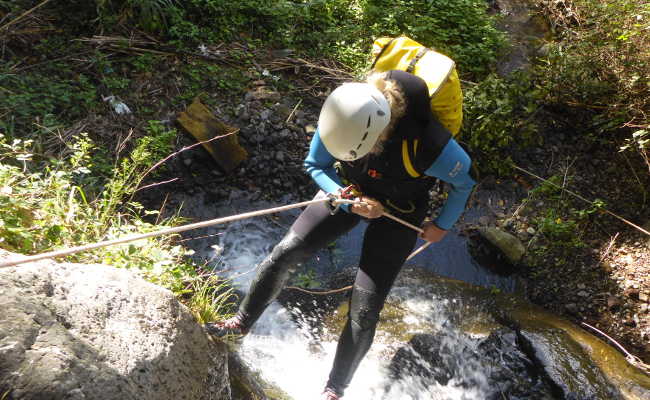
508,244
560,359
446,355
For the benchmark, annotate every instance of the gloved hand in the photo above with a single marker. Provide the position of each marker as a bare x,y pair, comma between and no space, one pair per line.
432,233
369,208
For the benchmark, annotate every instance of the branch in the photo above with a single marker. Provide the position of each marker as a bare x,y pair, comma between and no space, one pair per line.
632,224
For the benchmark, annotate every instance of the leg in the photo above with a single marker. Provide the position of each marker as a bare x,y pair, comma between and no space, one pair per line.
313,229
385,248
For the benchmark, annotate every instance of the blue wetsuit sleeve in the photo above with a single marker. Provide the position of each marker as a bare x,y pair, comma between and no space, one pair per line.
452,166
320,166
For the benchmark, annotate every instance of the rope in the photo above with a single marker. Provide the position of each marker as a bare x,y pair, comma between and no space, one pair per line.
321,293
401,221
178,229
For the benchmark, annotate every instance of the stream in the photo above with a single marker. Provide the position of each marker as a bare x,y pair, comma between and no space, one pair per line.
446,331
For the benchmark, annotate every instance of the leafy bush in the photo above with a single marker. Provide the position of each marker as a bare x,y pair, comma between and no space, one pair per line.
150,14
460,28
53,205
498,118
56,91
599,68
345,29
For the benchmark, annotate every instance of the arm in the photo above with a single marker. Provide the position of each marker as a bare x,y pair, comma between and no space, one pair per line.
452,166
320,166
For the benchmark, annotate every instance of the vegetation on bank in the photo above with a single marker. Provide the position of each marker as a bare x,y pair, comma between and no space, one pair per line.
59,187
598,69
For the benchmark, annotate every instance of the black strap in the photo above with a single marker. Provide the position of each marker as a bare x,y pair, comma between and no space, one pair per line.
381,52
418,56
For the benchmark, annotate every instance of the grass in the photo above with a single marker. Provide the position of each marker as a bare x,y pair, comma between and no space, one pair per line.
48,204
212,298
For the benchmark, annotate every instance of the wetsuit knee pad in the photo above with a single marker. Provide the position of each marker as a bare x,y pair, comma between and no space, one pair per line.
289,252
365,306
272,276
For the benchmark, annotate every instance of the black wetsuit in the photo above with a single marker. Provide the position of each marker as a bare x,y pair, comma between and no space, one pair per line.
386,243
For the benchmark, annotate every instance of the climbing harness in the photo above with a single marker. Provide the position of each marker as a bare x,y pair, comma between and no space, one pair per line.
333,201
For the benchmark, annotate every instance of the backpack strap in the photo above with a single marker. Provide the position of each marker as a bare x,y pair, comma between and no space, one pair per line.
409,151
421,52
383,49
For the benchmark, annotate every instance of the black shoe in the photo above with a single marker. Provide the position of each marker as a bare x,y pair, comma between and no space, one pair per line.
230,327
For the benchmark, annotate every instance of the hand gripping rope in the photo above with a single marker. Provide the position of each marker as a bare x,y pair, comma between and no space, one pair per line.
351,192
334,201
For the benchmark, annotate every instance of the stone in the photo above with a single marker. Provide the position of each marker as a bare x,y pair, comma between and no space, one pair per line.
613,303
530,230
484,220
265,115
79,331
572,308
583,293
643,296
508,244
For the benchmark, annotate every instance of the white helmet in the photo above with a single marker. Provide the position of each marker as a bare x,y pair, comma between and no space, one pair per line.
351,120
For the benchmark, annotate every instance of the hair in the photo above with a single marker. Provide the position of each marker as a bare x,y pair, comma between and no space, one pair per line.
397,101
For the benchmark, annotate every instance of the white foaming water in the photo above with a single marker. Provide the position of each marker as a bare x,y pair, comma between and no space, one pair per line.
283,352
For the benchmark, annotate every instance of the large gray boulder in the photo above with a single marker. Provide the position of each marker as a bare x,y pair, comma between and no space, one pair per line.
74,331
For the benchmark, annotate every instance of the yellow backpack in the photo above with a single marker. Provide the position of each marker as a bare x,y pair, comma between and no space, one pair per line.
437,70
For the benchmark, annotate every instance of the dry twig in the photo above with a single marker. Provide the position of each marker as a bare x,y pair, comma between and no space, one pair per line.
323,75
629,357
632,224
23,15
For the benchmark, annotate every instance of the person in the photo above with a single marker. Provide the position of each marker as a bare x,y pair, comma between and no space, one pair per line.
381,136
